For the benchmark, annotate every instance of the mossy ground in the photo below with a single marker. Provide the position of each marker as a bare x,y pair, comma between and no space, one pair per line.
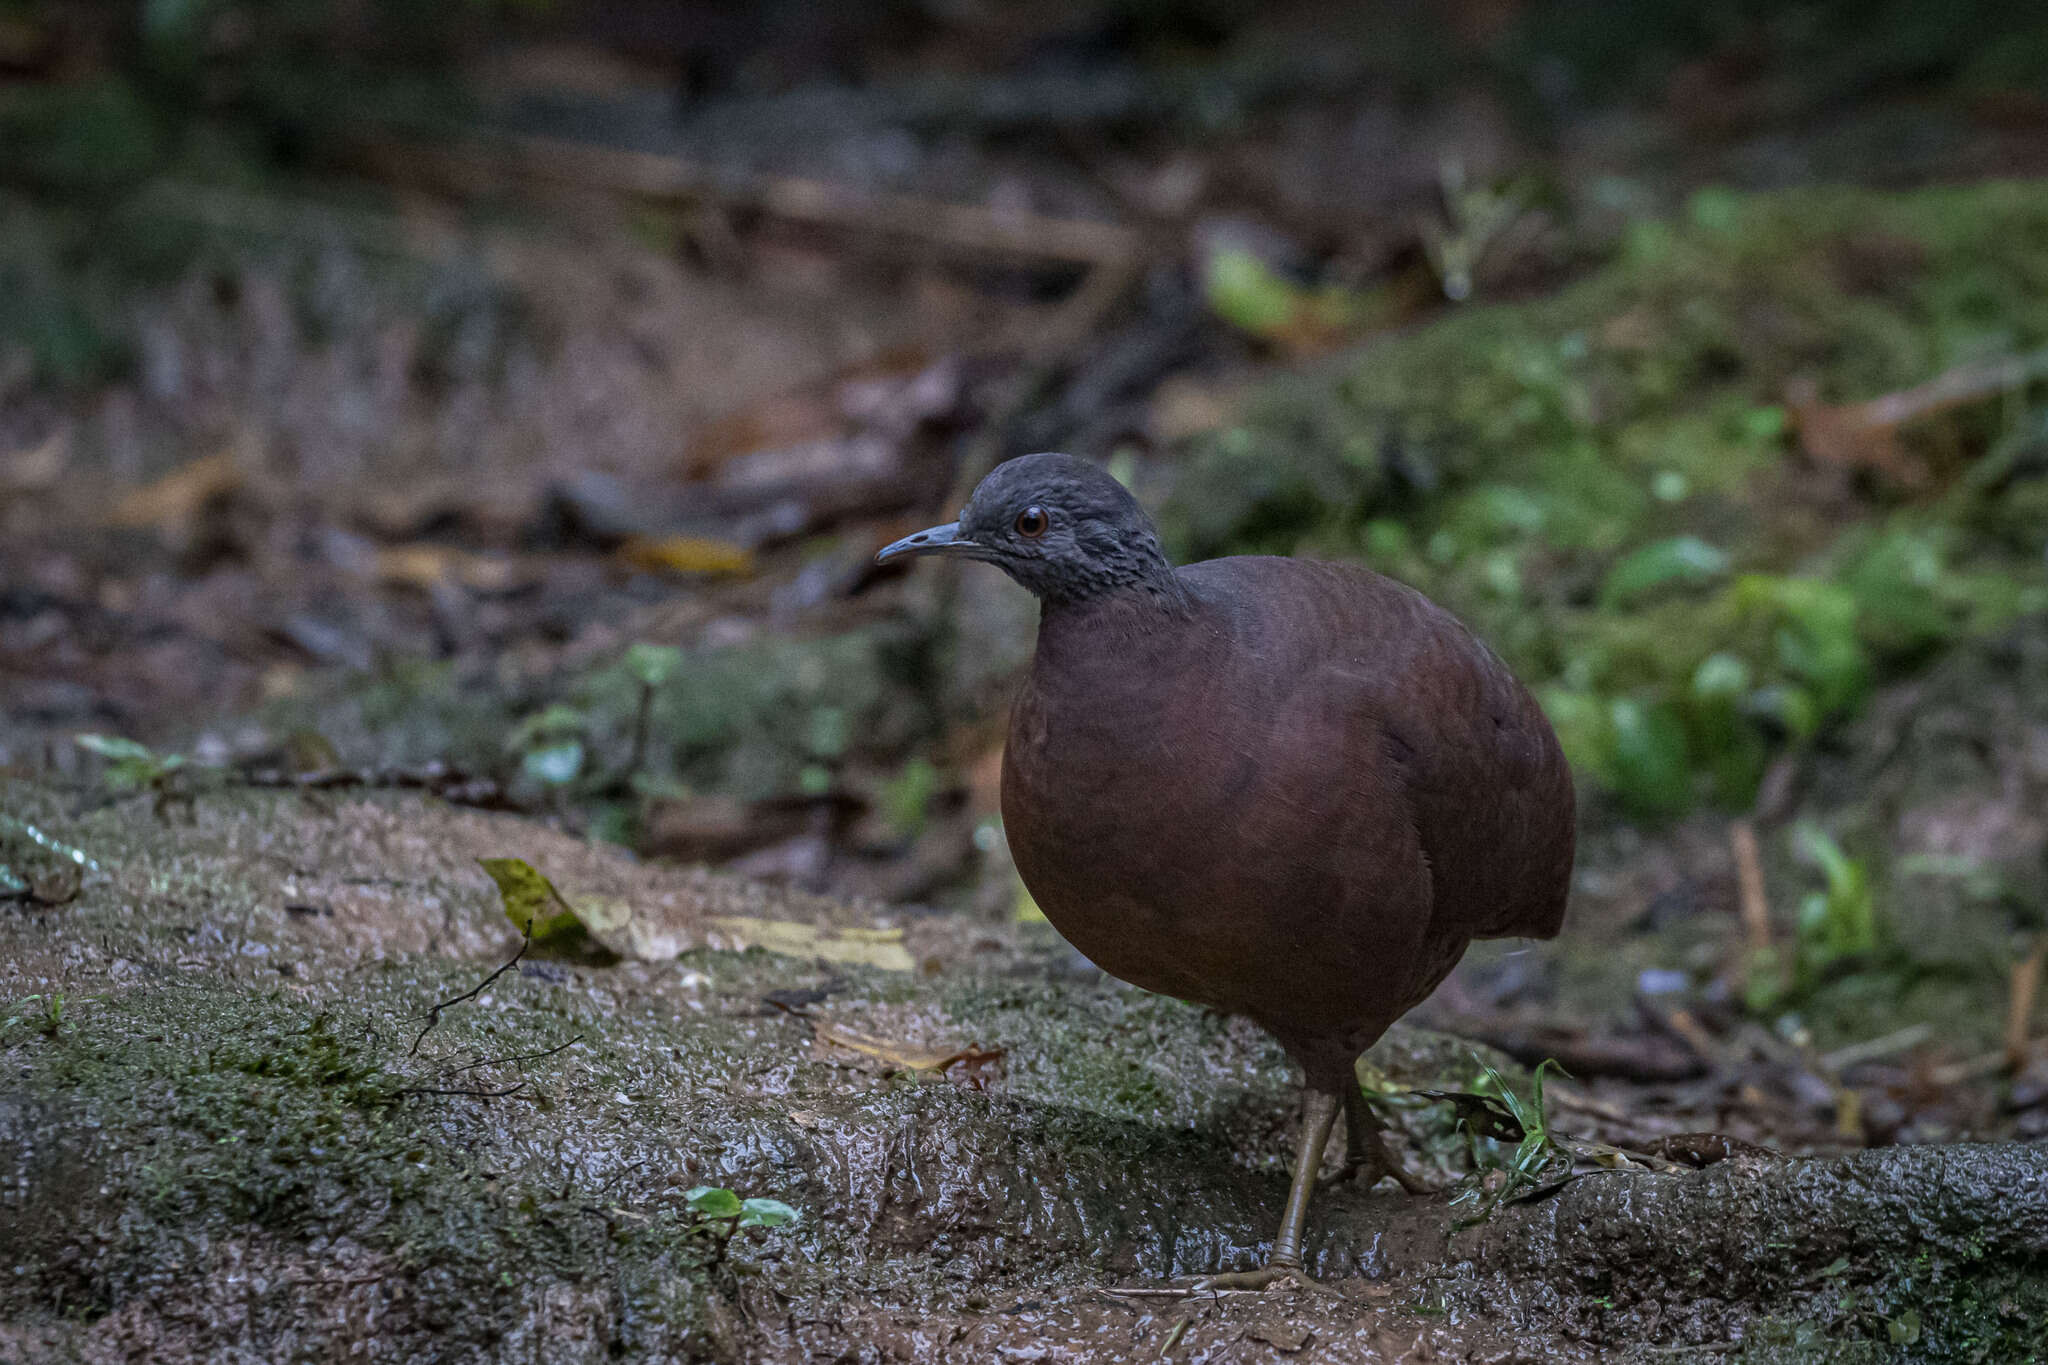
230,1095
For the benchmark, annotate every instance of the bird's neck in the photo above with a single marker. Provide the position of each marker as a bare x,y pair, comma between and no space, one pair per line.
1134,620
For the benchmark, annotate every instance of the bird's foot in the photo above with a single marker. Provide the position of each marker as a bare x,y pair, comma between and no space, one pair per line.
1254,1281
1377,1164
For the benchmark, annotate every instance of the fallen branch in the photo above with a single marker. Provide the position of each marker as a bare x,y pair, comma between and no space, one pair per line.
481,162
435,779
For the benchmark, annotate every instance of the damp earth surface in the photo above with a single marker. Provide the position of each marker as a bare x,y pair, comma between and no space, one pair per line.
235,1126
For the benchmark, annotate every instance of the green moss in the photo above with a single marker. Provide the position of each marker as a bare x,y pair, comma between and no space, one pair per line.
208,1115
1962,1307
752,720
1507,459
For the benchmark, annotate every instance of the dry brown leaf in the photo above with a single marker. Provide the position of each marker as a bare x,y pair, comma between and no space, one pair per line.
905,1056
782,420
1287,1337
1184,407
173,501
881,948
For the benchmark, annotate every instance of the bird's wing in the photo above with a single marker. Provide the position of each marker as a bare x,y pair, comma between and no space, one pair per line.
1485,781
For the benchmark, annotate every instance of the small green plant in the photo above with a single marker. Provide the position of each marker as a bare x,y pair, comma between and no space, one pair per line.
1475,218
1493,1115
721,1214
550,746
132,766
651,666
1837,923
42,1013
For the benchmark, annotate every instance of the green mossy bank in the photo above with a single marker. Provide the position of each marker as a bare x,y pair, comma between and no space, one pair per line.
1608,483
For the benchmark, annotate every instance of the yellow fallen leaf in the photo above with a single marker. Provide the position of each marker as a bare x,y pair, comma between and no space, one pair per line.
903,1055
881,948
531,899
610,924
688,555
855,934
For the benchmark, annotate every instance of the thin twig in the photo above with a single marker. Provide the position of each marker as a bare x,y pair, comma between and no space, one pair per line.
2026,983
1963,384
1749,882
522,1057
474,1094
1969,1069
434,1014
1855,1054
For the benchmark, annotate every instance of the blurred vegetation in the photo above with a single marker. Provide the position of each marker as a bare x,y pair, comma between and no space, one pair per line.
1605,484
224,86
1837,47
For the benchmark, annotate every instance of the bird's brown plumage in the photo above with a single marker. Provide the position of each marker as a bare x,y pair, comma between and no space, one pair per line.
1295,793
1291,790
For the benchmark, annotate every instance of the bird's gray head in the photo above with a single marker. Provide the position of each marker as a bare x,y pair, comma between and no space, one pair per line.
1060,526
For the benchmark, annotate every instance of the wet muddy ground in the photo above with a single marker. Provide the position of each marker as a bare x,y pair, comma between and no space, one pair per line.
236,1128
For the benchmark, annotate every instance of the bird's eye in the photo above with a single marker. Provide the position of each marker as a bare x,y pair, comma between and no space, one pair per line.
1031,522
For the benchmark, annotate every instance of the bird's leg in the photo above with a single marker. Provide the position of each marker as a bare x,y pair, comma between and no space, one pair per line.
1366,1157
1318,1117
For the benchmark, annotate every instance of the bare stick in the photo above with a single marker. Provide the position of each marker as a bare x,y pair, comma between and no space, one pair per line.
434,1014
473,1094
2026,982
522,1057
1962,384
1749,882
481,162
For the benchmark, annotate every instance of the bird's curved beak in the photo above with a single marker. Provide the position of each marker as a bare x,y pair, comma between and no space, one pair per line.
936,540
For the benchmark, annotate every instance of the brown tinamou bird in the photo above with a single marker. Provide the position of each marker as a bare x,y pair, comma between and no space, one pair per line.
1286,789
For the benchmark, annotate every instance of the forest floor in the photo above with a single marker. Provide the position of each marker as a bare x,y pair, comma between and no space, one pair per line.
509,489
